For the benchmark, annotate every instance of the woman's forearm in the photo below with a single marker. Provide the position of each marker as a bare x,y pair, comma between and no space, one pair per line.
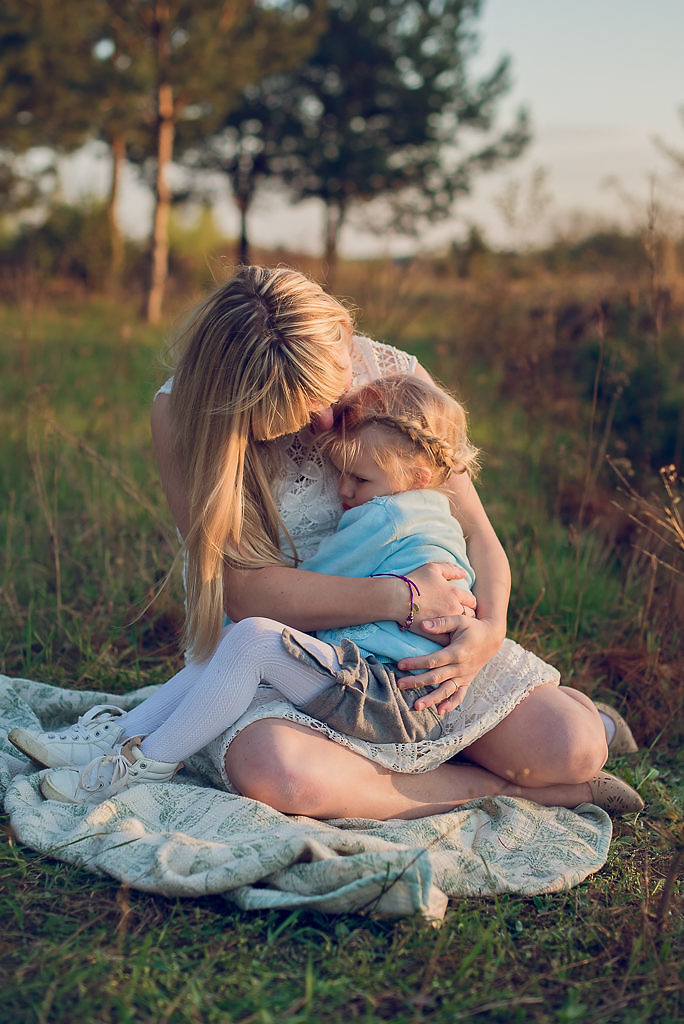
492,578
311,600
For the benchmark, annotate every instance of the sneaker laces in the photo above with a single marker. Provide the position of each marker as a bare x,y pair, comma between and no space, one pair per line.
81,730
104,771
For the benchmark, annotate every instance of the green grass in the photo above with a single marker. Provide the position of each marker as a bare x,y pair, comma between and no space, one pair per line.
87,535
82,949
85,540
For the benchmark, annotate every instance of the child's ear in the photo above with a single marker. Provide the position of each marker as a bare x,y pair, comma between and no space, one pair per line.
421,478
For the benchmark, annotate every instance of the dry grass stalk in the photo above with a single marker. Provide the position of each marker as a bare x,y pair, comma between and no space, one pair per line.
115,473
49,511
662,522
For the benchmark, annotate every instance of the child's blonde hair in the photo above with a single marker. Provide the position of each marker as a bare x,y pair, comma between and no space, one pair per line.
261,353
419,425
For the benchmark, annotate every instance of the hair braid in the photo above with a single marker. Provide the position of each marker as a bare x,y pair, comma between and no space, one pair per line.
420,421
436,448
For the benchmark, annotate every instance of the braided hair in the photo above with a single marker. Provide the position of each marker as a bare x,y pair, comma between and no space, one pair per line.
418,424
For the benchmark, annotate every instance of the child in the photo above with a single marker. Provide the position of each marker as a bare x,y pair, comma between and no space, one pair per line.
395,443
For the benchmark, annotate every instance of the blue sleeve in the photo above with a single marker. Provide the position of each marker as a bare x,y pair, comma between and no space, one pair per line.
357,547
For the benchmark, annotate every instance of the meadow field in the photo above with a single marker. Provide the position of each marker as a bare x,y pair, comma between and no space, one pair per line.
574,384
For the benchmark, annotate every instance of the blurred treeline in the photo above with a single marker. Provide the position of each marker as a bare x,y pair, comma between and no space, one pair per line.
595,320
350,102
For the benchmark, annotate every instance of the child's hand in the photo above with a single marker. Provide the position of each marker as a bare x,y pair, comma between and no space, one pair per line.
440,595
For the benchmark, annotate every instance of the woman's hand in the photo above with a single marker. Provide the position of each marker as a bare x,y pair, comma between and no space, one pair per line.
440,597
451,669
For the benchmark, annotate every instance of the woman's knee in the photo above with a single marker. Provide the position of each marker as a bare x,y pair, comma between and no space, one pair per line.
285,787
271,761
581,744
549,738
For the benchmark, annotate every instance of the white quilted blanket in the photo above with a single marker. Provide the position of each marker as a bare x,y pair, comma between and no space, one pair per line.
188,838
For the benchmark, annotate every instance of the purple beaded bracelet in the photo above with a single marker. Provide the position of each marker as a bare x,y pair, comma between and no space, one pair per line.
413,607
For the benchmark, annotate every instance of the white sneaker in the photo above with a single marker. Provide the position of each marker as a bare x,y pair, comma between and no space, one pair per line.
94,734
106,776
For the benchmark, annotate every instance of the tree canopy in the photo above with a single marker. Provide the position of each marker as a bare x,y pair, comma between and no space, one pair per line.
357,103
383,108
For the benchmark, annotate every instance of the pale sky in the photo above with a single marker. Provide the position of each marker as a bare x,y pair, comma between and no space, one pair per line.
601,79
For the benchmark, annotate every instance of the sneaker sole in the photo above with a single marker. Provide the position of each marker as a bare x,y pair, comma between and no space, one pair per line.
27,743
53,794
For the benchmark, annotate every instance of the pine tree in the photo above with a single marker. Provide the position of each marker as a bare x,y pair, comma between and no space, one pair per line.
384,112
244,138
41,96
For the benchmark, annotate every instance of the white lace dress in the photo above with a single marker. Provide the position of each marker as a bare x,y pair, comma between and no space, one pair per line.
309,504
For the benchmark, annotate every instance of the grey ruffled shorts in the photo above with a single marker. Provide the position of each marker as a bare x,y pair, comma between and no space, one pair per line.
363,699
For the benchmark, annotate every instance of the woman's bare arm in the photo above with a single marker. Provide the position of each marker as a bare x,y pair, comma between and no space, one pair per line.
312,600
488,558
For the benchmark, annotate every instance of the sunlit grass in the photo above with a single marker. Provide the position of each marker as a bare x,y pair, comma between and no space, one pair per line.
86,537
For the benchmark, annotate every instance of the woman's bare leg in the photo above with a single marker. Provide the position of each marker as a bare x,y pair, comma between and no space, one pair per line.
299,771
553,736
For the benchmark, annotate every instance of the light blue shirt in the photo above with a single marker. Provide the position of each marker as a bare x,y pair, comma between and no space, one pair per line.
396,534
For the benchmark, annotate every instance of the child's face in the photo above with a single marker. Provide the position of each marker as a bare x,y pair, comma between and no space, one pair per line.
362,479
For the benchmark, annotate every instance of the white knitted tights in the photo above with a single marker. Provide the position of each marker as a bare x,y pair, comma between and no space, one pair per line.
205,698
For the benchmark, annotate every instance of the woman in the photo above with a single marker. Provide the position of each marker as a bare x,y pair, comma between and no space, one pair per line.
264,359
545,739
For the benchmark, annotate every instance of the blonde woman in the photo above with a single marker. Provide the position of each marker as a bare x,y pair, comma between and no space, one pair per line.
395,443
264,359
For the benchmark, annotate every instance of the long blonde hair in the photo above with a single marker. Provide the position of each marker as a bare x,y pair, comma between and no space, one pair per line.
418,424
259,354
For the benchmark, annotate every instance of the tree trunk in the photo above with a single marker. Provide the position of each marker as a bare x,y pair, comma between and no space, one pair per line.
165,133
160,230
116,242
243,243
334,215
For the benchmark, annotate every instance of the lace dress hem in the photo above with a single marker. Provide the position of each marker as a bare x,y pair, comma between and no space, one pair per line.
504,682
